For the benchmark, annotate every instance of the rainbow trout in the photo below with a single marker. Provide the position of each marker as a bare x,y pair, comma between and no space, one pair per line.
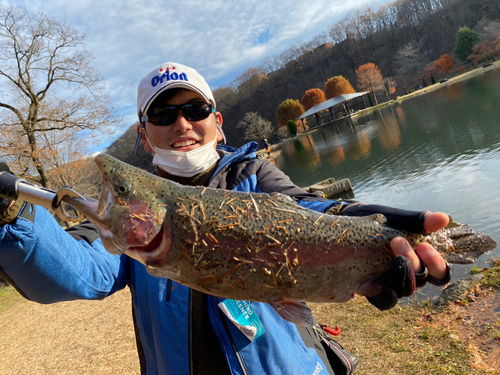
250,246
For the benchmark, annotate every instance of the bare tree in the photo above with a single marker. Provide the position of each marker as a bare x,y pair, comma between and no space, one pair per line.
255,127
411,61
48,87
487,29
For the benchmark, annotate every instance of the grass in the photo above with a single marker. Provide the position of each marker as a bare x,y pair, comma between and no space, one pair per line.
492,275
9,297
413,338
399,341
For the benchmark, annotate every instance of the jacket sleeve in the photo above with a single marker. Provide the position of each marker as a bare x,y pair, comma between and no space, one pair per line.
47,264
271,179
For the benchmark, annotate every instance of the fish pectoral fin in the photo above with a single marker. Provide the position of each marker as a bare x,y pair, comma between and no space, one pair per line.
169,272
294,311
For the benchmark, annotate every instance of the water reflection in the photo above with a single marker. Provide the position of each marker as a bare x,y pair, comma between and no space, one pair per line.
388,135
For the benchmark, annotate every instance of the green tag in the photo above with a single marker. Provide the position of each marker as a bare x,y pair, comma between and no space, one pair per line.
243,317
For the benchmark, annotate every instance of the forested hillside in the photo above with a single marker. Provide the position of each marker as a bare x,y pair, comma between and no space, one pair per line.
402,37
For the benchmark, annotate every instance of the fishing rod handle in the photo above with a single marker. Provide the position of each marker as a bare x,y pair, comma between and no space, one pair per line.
13,188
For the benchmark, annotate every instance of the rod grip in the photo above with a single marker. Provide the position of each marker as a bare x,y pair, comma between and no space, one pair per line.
9,185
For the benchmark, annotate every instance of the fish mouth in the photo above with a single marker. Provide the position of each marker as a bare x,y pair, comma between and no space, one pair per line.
155,252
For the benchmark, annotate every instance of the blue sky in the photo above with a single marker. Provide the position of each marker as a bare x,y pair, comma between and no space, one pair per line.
219,38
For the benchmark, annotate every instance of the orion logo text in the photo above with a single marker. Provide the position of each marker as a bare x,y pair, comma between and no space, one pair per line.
167,76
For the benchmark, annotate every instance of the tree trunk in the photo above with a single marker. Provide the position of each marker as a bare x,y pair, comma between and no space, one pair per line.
44,180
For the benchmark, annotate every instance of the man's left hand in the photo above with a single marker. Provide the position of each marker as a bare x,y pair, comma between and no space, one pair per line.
413,267
424,252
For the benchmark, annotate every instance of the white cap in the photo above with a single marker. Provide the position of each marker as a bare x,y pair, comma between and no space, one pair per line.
168,76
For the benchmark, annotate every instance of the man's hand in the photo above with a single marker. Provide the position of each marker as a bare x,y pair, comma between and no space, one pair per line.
425,253
413,268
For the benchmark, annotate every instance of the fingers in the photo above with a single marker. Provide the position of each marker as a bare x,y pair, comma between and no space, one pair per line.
435,221
430,256
433,260
400,246
435,263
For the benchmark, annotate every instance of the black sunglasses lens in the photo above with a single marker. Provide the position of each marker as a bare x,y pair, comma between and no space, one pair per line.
165,117
196,111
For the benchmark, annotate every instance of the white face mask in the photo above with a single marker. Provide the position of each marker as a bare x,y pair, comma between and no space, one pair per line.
186,164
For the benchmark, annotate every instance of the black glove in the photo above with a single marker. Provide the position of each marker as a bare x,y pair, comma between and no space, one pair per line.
411,221
9,208
4,202
401,280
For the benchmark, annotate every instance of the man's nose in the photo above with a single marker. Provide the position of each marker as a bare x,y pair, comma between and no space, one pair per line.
182,123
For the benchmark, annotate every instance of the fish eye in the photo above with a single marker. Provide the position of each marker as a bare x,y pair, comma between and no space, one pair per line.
124,187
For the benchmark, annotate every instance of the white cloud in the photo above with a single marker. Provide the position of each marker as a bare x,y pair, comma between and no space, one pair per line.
218,37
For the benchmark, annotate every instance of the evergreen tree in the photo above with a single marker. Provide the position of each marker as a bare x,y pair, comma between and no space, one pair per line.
464,41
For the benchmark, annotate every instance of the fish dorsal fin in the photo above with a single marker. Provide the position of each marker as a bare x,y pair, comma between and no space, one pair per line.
287,201
294,311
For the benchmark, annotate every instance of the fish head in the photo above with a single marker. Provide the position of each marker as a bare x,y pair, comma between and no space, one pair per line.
129,214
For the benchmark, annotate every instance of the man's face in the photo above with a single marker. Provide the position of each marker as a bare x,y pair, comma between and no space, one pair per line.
183,135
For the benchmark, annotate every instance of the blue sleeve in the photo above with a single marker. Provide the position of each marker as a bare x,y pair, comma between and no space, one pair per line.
271,179
48,265
318,205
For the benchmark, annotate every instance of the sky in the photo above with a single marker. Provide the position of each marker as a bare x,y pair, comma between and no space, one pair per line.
219,38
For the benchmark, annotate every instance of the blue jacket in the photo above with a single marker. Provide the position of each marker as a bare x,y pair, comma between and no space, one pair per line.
48,264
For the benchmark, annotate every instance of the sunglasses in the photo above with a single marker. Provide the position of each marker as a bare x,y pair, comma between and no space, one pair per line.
193,111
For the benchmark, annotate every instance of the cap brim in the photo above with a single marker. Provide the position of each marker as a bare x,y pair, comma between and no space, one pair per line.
180,84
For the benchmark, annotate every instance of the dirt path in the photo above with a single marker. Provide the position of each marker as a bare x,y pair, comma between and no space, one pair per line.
79,337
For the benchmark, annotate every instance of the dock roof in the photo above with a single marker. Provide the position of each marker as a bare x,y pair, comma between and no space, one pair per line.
331,103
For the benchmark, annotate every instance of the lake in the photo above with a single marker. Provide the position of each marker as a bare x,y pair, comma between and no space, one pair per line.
439,151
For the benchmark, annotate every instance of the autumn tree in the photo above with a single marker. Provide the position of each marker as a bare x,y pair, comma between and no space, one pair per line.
256,128
51,94
336,86
370,79
289,109
464,41
489,50
312,97
442,65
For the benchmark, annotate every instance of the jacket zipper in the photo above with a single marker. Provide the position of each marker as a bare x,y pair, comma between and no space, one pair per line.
233,344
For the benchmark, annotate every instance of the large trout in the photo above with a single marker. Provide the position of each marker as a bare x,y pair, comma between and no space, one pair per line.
251,246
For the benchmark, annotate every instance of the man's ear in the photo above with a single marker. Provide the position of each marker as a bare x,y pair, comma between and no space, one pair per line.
218,118
220,133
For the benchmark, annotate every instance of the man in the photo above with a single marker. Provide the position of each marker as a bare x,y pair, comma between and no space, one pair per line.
268,147
181,331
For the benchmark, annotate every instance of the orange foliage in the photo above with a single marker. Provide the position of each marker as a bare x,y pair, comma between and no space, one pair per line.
337,85
370,78
312,97
442,65
460,69
488,50
288,110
